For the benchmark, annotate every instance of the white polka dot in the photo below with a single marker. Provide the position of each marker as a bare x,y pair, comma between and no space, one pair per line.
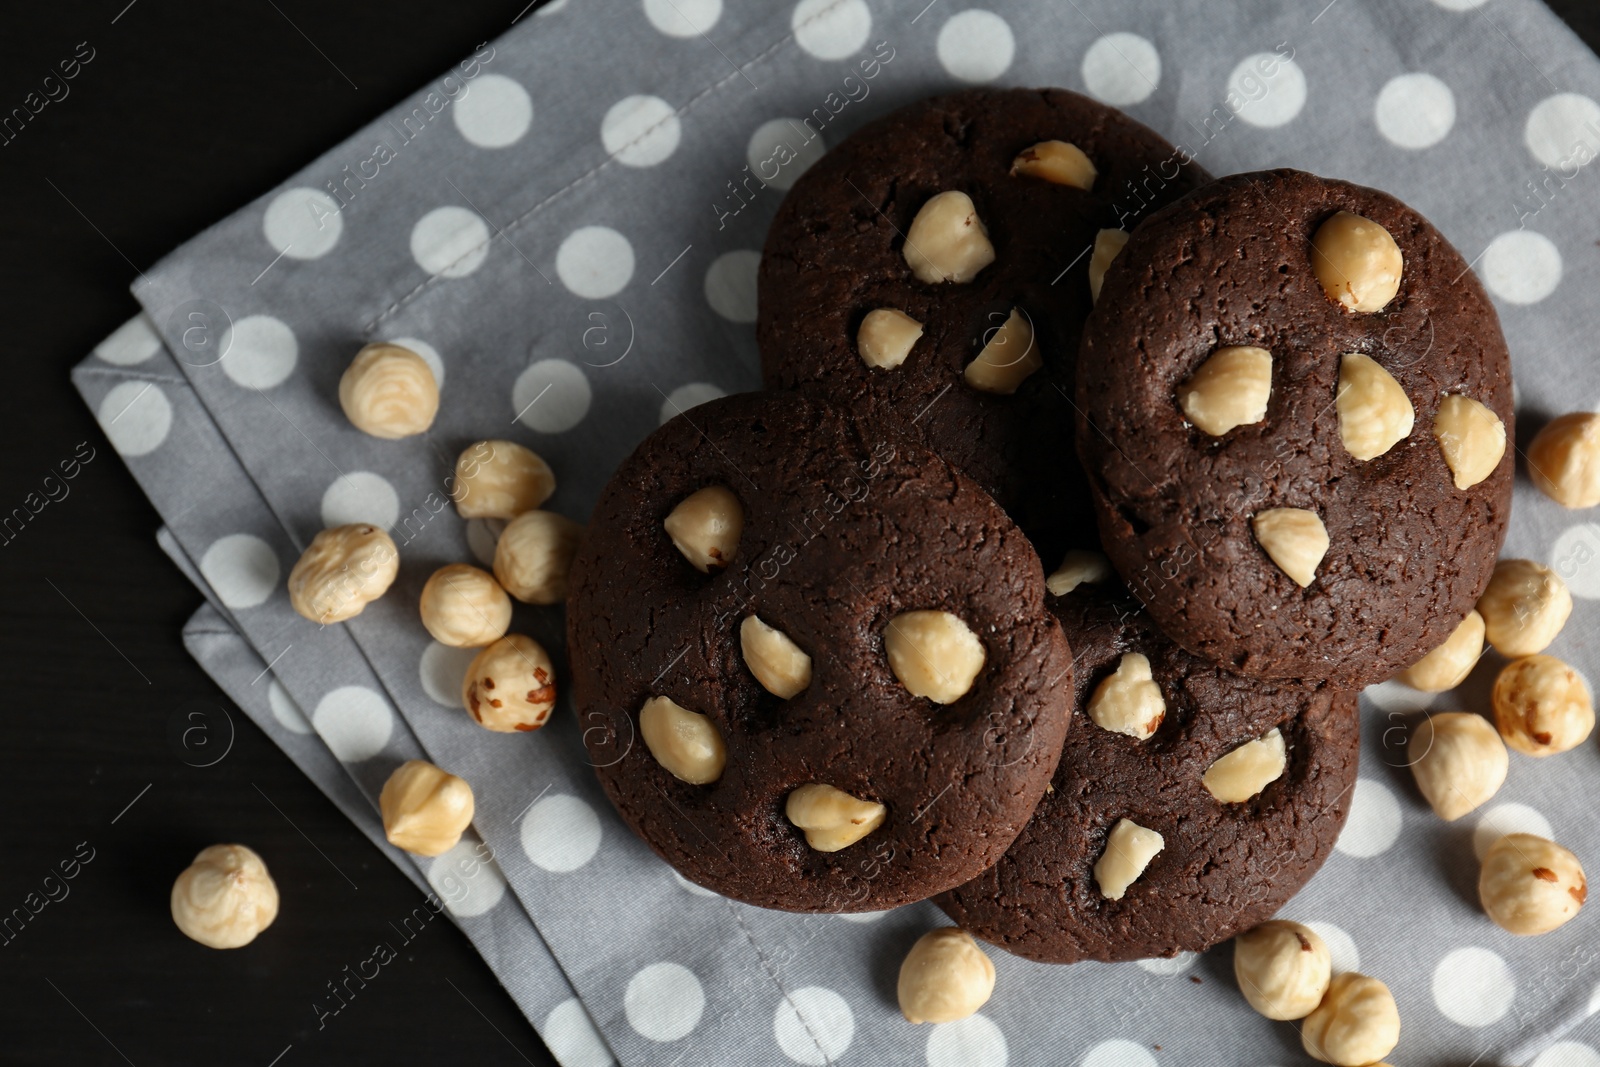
813,1026
302,223
1121,69
1568,1054
1576,558
441,670
1521,267
1374,820
1119,1053
1473,987
697,890
285,710
976,46
551,8
1170,968
683,18
136,416
571,1035
482,537
467,878
259,351
688,396
1415,110
241,569
1503,819
494,112
354,722
1460,5
1563,131
731,285
132,342
1341,947
561,833
450,241
783,149
663,1001
1398,697
831,29
595,262
971,1042
552,396
361,496
429,354
1270,90
861,916
640,131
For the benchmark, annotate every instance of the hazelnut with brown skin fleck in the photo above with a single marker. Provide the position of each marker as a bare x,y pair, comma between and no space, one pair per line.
510,686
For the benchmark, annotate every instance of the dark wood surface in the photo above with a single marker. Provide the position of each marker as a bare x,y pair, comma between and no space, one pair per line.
188,109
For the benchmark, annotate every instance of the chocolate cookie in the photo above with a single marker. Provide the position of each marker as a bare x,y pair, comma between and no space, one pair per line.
1297,401
846,239
1222,867
811,659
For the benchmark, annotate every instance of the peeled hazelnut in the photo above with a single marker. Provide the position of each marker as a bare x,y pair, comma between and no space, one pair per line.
934,654
832,818
945,977
1078,567
1448,665
1529,885
500,480
1107,245
341,571
1564,460
1458,761
947,241
225,897
1356,1024
706,526
1472,438
1374,412
464,607
1128,701
1229,389
1283,969
534,554
389,391
1008,357
1524,607
1248,769
685,742
1129,850
1357,262
886,338
510,686
1295,539
1541,706
777,662
1058,162
425,809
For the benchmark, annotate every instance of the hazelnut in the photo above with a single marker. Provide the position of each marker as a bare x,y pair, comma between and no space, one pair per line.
225,897
1129,850
705,527
1283,968
510,686
464,607
934,654
1058,162
1448,665
500,480
341,571
947,241
1458,761
685,742
1564,460
832,818
777,662
534,554
1472,438
1295,539
1008,357
1541,706
1107,244
1374,412
1229,389
1529,885
1524,607
389,391
945,977
425,810
886,337
1128,701
1357,1022
1357,262
1248,769
1078,567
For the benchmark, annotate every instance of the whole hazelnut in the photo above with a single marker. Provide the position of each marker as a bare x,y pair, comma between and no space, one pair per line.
1524,607
510,685
464,607
500,480
225,897
341,571
944,977
1529,885
1541,706
1283,968
1564,460
534,555
425,809
1458,761
1357,1023
389,391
